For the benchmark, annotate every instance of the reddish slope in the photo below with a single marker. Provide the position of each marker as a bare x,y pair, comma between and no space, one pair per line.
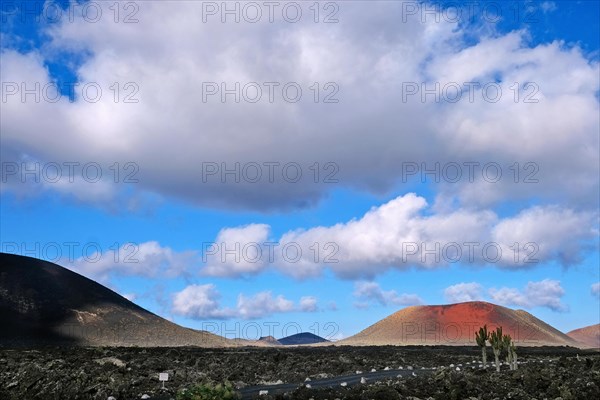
588,336
455,324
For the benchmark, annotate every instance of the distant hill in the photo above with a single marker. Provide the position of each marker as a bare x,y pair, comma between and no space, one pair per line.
269,340
302,338
44,303
588,336
455,324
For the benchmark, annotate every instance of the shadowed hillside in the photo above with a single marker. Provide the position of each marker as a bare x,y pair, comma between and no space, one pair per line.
44,303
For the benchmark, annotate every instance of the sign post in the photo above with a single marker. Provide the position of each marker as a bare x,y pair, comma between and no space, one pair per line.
163,377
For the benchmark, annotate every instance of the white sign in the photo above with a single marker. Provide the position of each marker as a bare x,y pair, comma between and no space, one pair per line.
163,376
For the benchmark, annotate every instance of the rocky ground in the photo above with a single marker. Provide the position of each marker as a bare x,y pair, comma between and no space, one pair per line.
564,379
131,373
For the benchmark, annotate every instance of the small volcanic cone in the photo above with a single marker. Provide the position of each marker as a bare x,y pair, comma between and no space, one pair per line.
588,336
455,324
269,340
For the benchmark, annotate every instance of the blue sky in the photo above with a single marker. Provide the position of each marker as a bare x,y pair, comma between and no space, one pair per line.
161,220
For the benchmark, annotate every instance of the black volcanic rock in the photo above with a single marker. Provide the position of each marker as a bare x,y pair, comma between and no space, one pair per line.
44,303
302,338
65,373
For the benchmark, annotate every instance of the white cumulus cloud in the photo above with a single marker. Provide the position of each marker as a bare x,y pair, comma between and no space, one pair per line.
147,259
173,132
403,233
200,301
204,302
371,292
237,251
462,292
308,304
262,304
546,293
596,289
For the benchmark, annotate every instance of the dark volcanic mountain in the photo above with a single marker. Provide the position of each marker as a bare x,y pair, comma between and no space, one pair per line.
44,303
455,324
302,338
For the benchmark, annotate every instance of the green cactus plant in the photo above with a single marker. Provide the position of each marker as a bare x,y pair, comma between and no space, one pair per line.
481,338
506,344
513,352
497,343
